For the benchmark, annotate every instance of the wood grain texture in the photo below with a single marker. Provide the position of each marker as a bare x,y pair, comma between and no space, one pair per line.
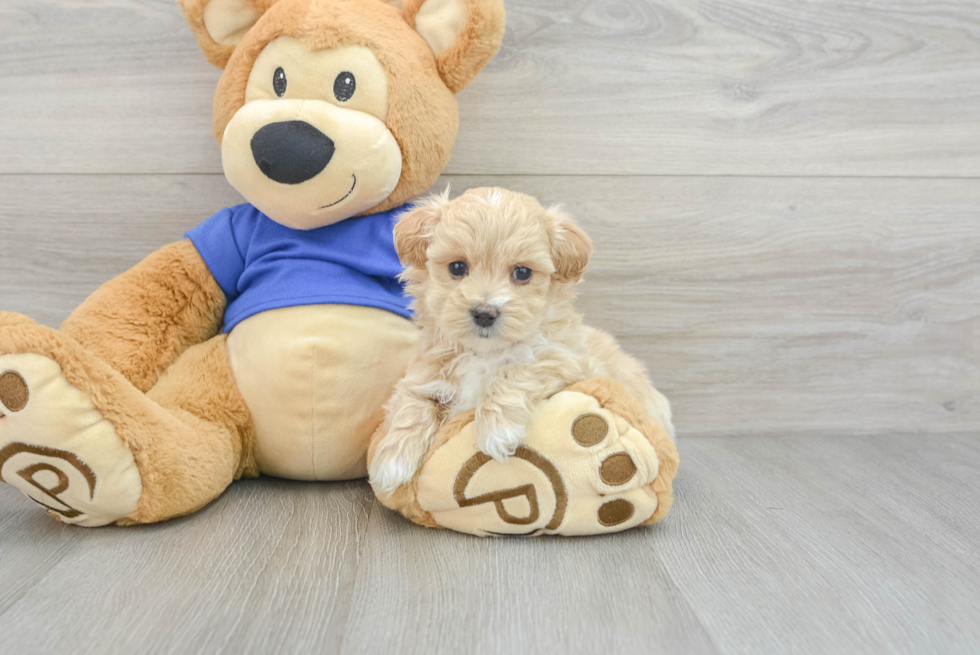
760,87
761,306
268,568
439,593
786,207
775,545
804,545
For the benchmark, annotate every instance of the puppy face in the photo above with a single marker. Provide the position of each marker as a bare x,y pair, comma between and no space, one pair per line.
484,267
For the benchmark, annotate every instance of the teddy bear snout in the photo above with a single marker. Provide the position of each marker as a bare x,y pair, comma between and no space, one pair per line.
291,152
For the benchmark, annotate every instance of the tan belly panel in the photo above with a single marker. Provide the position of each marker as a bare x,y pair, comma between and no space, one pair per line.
315,379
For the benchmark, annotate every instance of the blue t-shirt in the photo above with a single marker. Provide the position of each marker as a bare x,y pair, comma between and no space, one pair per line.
262,265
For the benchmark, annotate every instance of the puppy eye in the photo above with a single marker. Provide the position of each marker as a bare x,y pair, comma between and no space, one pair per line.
522,274
279,82
343,86
458,269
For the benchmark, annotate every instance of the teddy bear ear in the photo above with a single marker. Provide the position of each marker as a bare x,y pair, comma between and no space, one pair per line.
463,34
219,25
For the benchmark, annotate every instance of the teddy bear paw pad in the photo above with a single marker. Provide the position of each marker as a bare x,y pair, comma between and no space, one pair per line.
581,470
57,448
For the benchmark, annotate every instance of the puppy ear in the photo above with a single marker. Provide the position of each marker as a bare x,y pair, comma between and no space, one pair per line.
413,232
571,247
220,25
463,35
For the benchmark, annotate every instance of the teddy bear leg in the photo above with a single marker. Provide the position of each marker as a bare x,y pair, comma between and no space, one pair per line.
592,462
141,321
80,440
208,444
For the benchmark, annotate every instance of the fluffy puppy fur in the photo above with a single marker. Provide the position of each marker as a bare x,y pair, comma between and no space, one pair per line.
492,274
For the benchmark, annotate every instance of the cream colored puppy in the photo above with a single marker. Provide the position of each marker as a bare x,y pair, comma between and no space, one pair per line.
493,276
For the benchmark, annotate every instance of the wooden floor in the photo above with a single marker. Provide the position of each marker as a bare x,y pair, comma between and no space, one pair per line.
835,544
785,198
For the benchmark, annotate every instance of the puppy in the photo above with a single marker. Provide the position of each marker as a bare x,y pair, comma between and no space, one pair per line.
492,275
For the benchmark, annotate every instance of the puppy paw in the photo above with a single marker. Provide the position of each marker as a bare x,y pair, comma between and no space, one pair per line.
391,473
396,460
502,442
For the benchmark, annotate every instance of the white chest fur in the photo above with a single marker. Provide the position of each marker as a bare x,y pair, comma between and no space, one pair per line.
469,373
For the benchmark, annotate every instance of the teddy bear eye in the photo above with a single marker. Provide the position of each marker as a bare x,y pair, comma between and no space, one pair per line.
343,86
522,274
458,269
279,82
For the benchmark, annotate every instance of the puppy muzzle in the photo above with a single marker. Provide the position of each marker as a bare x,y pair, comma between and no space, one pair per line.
484,317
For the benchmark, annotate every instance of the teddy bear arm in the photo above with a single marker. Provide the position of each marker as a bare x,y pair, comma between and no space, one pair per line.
142,320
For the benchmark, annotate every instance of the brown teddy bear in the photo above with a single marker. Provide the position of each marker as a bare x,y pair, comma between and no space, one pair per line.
268,340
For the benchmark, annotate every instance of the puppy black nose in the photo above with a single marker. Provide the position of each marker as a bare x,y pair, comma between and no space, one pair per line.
484,317
291,152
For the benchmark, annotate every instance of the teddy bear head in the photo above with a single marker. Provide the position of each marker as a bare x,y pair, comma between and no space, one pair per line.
333,108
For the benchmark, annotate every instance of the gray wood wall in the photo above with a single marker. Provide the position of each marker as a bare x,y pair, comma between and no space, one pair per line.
785,195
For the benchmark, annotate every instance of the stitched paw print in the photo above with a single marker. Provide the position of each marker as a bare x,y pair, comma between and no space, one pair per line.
615,470
57,449
582,469
611,466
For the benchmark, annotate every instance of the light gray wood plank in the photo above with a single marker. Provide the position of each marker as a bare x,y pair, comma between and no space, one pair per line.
775,545
930,484
762,87
783,550
268,568
762,306
772,548
426,591
103,86
22,563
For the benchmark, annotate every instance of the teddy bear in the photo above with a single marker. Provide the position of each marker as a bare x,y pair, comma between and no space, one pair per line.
268,339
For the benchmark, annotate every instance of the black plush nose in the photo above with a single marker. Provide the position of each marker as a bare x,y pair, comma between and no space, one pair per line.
484,317
291,152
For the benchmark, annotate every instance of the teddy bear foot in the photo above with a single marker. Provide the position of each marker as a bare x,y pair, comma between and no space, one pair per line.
591,463
57,448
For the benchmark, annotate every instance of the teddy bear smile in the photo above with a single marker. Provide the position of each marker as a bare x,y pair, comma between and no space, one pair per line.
346,195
